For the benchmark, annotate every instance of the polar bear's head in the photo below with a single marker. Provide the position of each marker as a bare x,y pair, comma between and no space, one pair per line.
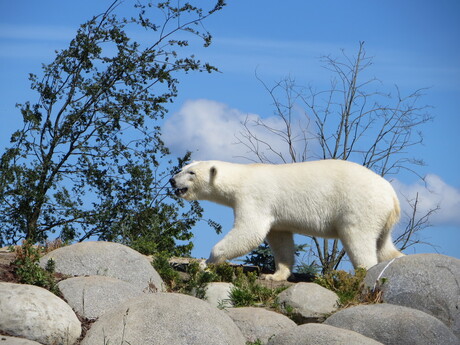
195,181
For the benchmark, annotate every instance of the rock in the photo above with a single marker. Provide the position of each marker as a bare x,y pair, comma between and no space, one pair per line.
320,334
92,296
106,259
164,319
36,314
392,324
309,302
5,340
273,284
258,323
427,282
218,294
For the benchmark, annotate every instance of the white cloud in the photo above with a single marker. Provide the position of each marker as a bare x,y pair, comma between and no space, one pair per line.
432,192
206,128
212,130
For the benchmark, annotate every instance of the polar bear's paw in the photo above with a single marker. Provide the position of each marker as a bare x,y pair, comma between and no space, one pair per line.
277,277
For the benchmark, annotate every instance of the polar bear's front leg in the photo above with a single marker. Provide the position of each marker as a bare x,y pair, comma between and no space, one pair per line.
282,245
243,238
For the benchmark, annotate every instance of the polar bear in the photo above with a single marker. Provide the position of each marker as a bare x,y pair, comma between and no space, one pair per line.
327,198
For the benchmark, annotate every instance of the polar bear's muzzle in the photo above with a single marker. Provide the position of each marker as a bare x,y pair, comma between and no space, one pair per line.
178,191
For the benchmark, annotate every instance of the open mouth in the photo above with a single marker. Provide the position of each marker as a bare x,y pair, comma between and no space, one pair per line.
180,191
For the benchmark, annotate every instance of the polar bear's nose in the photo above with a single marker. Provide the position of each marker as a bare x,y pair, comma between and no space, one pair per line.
173,182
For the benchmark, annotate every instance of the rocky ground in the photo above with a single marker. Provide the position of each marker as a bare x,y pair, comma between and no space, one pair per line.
112,294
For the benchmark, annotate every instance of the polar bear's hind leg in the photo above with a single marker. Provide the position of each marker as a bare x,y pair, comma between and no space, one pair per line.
282,245
361,249
386,250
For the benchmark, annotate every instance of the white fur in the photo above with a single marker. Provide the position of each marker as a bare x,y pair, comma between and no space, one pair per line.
328,198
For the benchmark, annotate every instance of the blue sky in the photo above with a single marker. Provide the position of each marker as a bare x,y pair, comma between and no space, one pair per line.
414,44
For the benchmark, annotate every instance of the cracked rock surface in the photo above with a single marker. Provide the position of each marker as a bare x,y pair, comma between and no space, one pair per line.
426,282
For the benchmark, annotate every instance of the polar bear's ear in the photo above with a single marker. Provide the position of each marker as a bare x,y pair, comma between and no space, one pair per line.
212,174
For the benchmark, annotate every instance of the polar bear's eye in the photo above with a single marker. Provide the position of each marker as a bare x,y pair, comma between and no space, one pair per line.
191,172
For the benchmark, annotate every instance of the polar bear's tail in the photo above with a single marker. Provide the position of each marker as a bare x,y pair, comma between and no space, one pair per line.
385,247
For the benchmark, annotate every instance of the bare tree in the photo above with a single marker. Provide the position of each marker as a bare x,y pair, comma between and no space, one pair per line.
414,222
350,120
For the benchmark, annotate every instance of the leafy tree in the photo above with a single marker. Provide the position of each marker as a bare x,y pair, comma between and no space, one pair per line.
89,160
350,120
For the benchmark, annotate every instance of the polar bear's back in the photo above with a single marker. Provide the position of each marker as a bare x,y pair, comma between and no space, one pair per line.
327,174
326,192
334,184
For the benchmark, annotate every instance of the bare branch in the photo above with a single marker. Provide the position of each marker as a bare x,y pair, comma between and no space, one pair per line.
415,224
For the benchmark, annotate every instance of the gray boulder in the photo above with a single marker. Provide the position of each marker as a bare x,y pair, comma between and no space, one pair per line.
164,319
92,296
320,334
259,324
106,259
36,314
427,282
392,324
218,294
308,302
5,340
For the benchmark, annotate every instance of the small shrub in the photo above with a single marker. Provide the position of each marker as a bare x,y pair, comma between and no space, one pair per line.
261,257
198,285
311,269
199,279
225,272
242,297
169,275
349,287
194,285
50,266
247,292
29,272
